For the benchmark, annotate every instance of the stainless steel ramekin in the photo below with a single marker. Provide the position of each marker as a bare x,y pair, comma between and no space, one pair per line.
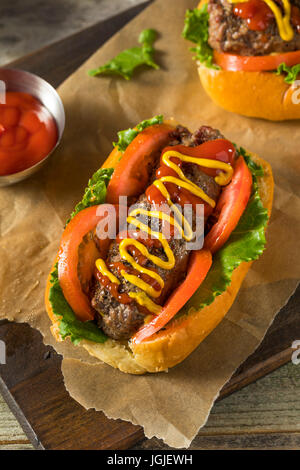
19,80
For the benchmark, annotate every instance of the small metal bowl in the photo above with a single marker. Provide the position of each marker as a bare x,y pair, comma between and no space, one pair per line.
19,80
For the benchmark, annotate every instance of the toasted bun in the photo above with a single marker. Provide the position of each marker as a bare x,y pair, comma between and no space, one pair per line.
255,94
181,336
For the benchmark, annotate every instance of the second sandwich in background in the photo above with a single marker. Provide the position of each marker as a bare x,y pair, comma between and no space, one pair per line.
248,55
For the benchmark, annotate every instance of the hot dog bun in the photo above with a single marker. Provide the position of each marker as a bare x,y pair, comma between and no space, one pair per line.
254,94
180,337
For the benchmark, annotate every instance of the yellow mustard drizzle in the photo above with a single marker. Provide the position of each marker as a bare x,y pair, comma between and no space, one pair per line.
102,268
142,298
161,187
283,21
159,215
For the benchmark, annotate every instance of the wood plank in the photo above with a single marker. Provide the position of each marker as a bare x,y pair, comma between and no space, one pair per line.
21,34
11,432
242,379
33,370
37,396
65,56
264,415
274,351
257,441
9,447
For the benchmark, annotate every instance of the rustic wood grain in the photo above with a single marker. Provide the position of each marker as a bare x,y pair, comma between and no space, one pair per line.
32,382
69,53
264,415
30,24
11,433
239,441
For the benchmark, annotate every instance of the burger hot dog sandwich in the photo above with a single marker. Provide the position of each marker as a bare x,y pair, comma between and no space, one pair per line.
248,53
143,295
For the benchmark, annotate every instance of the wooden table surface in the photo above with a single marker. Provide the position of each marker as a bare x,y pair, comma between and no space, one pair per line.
25,29
263,415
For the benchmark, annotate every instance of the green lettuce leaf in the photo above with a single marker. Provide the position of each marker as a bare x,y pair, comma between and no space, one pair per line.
126,137
127,61
246,243
196,30
95,192
291,72
69,325
256,170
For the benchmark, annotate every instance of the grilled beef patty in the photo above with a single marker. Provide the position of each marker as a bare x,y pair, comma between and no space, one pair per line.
229,33
121,321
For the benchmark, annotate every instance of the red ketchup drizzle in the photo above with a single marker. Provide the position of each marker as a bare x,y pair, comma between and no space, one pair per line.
219,149
256,13
295,18
119,266
113,287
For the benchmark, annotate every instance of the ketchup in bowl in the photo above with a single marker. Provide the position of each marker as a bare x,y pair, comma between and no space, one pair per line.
28,132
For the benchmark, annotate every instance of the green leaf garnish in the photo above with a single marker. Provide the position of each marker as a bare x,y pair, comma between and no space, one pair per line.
95,192
127,61
148,37
256,170
291,72
196,30
69,325
126,137
246,243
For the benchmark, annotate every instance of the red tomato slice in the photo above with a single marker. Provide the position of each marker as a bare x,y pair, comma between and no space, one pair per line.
235,63
77,256
199,265
131,176
230,207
